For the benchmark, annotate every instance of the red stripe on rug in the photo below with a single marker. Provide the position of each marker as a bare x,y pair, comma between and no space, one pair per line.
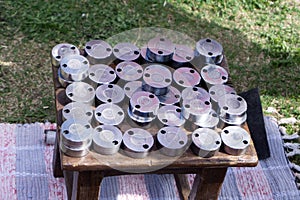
132,187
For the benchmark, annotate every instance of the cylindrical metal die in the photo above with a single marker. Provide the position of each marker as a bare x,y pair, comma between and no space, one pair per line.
160,49
211,50
110,93
190,93
143,106
132,87
74,67
235,139
196,110
76,134
217,92
206,142
138,142
109,114
211,122
107,139
173,96
186,77
79,111
63,82
233,109
102,74
98,52
62,50
81,92
182,55
157,79
144,56
170,115
129,71
214,74
126,51
74,152
173,141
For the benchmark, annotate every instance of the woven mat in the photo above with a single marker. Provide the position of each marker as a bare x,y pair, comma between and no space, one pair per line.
25,172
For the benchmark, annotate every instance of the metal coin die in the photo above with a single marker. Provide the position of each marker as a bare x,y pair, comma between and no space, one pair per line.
76,110
101,74
137,142
109,93
212,121
98,52
182,55
173,141
191,93
217,92
210,50
81,92
143,107
63,82
107,139
157,79
173,96
129,71
196,110
235,139
74,67
131,87
214,74
160,49
206,142
62,50
126,52
186,77
76,137
170,115
109,114
145,58
233,109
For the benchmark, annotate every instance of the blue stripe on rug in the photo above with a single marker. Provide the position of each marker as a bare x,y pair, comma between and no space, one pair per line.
31,175
109,189
227,191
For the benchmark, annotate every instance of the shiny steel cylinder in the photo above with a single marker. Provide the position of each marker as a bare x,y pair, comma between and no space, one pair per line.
98,52
107,139
126,52
143,107
173,141
212,121
137,142
196,110
109,93
235,139
160,49
101,74
182,56
157,79
132,87
191,93
78,111
210,50
129,71
62,50
74,67
173,96
74,152
214,74
186,77
109,114
206,142
144,57
170,115
81,92
217,92
233,109
63,82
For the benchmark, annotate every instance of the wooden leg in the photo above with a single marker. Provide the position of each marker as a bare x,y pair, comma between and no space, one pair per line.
207,183
183,186
56,163
69,177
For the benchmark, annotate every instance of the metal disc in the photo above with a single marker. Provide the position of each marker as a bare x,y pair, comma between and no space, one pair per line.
144,55
173,96
129,71
98,51
81,92
211,50
102,74
196,110
74,152
211,122
182,54
186,77
132,87
217,92
63,82
76,110
170,115
74,67
109,114
214,74
110,93
160,49
138,142
190,93
126,51
107,139
236,139
62,50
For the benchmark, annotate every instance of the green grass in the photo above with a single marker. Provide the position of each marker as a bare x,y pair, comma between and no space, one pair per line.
260,39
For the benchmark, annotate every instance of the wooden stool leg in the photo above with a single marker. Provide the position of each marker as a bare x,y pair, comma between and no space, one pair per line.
183,186
207,183
56,164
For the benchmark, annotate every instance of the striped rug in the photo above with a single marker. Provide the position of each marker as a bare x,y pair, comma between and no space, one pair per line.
25,172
